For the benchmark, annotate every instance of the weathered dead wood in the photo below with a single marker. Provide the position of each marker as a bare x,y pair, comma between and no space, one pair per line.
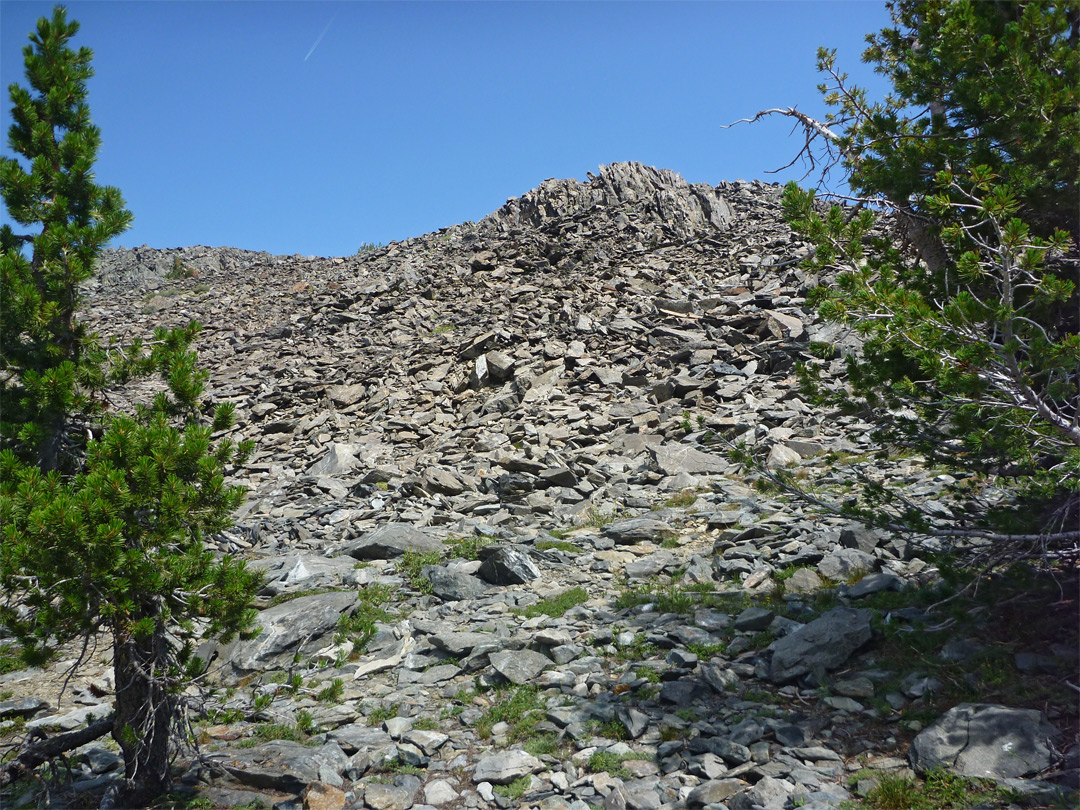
40,752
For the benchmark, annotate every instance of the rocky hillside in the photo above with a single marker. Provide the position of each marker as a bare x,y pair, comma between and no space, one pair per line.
507,561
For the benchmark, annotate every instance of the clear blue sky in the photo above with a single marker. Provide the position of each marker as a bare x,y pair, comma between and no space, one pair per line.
313,127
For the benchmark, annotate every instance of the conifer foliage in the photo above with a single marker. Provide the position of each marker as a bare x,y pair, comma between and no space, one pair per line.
968,307
105,515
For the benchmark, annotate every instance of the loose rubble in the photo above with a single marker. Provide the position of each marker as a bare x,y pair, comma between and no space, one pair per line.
489,469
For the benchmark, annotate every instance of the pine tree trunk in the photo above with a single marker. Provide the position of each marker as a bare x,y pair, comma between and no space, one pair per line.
144,714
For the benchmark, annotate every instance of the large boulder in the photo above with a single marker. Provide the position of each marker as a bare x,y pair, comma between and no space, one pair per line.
629,531
453,586
519,666
391,540
505,565
506,766
284,627
823,644
984,740
284,765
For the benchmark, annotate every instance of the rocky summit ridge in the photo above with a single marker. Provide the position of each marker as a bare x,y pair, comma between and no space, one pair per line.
507,561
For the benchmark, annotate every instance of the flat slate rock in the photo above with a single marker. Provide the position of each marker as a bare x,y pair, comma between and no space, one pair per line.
453,586
675,459
391,540
825,643
508,566
284,765
637,530
506,766
285,626
519,666
984,740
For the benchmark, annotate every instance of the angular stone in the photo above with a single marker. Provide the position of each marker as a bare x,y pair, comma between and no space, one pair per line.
984,740
453,586
321,796
501,366
873,583
714,792
782,456
637,530
504,767
391,540
22,706
439,791
675,459
339,460
825,643
842,563
461,644
753,619
519,666
284,627
284,765
508,566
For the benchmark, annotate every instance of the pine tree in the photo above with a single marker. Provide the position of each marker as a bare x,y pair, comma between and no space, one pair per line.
105,516
968,308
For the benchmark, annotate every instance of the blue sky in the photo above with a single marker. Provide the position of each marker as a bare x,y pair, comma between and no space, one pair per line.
314,127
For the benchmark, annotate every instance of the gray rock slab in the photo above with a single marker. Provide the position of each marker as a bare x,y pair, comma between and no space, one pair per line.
359,737
382,796
453,586
984,740
651,564
825,643
637,530
284,765
715,791
284,627
22,706
873,583
461,644
72,720
844,562
519,666
504,767
508,566
302,571
338,460
768,794
753,619
674,459
391,540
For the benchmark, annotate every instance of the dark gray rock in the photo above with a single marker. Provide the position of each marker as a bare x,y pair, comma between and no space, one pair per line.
984,740
714,792
637,530
504,767
453,586
508,566
844,562
339,460
284,627
22,707
391,540
753,619
873,583
674,459
284,765
825,644
519,666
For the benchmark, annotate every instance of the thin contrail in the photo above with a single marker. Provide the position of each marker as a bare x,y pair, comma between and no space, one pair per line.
317,41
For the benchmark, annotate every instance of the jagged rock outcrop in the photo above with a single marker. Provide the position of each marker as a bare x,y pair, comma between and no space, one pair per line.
638,198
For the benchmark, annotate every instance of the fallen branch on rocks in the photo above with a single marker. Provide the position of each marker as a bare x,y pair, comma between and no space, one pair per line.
37,753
